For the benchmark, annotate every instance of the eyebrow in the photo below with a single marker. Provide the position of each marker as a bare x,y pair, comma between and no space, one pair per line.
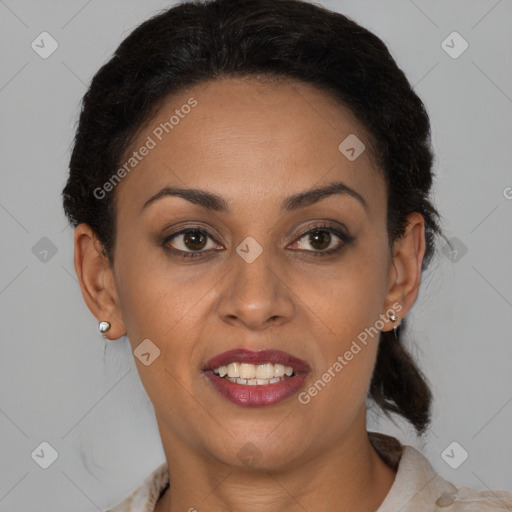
214,202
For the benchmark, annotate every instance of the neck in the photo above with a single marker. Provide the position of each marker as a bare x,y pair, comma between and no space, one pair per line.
349,475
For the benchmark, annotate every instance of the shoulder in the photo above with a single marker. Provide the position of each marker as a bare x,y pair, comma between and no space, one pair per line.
418,488
145,496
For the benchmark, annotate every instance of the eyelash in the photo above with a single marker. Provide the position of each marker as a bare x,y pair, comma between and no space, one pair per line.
345,238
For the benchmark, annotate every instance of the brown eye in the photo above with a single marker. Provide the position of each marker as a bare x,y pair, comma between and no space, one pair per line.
320,239
195,240
189,241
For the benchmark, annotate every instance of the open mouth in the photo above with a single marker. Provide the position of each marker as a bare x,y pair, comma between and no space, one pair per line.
254,375
253,379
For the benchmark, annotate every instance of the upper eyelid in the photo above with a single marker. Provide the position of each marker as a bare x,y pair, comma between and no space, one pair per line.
319,226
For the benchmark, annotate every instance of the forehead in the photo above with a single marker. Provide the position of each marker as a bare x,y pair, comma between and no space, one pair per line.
247,139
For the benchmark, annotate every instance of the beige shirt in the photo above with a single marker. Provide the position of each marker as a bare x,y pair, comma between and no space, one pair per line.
417,487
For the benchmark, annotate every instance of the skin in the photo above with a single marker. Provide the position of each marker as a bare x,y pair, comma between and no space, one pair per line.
254,144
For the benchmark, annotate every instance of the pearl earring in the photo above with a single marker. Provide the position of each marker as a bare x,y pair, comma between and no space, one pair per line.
103,327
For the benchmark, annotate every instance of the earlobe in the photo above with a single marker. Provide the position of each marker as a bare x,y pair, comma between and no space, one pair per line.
405,273
97,280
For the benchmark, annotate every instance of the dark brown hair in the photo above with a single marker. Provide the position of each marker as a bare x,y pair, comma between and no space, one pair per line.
197,41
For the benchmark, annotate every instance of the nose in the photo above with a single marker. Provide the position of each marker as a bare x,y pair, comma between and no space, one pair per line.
256,295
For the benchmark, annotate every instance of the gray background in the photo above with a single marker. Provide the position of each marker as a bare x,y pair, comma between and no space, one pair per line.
56,384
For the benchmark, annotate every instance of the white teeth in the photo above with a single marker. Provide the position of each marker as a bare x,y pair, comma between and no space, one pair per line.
254,375
265,371
247,371
233,370
255,382
278,370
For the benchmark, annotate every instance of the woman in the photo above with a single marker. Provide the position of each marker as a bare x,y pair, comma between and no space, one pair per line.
249,187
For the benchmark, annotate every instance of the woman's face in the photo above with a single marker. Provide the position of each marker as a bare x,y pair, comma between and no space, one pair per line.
252,278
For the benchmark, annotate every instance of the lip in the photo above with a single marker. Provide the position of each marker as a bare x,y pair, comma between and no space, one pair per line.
241,355
258,395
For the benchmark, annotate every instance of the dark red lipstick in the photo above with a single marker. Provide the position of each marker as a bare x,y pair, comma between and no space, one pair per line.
257,395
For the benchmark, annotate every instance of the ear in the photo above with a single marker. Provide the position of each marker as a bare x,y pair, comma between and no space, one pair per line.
405,270
97,280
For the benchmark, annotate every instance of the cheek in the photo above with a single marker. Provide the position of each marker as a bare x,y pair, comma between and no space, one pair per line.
347,309
157,295
159,305
348,296
168,304
345,358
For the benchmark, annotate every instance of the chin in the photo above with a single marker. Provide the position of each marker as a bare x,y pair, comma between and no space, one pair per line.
256,451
